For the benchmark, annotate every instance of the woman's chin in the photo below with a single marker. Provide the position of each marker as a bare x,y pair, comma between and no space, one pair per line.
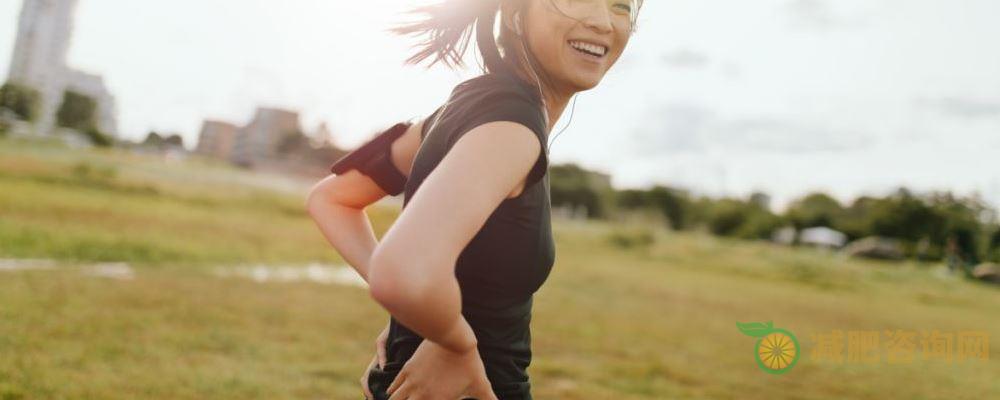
586,82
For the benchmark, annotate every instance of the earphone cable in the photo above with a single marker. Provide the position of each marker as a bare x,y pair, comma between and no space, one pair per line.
571,112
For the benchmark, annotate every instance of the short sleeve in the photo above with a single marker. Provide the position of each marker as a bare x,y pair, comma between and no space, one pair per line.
503,104
428,122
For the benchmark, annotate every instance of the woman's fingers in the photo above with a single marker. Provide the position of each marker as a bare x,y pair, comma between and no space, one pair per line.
483,390
396,382
364,380
380,346
400,393
380,353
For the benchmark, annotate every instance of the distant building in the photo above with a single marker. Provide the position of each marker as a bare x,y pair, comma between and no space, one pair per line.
272,141
216,139
822,236
44,34
260,139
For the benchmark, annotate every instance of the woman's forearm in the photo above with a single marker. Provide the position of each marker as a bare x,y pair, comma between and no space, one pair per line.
349,231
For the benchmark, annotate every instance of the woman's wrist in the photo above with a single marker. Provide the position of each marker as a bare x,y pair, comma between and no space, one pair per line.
460,338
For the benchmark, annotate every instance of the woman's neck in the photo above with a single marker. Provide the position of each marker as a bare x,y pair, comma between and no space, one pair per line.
555,105
555,99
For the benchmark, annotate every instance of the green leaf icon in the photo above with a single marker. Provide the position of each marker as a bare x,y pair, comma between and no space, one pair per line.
755,329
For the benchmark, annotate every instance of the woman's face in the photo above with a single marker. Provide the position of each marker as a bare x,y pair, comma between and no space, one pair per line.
577,41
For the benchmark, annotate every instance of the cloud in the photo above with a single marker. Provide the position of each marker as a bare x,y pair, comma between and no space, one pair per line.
817,15
773,135
963,107
689,128
673,128
685,58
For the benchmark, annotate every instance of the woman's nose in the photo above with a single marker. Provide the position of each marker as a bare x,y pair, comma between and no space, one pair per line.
599,20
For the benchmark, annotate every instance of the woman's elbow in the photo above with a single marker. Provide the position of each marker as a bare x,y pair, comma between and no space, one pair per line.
388,283
311,197
318,196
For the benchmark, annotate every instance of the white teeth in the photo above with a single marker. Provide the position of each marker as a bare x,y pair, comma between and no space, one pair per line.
589,47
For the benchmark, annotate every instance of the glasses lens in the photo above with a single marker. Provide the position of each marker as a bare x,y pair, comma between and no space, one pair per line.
622,12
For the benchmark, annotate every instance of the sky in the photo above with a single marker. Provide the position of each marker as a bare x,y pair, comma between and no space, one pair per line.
721,97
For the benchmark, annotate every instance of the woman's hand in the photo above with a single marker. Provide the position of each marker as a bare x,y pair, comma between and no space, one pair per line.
435,372
379,359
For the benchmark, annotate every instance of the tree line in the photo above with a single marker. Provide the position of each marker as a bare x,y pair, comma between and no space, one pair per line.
927,225
77,111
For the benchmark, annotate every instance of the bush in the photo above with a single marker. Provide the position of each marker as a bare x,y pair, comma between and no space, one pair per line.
674,204
993,248
77,111
23,101
91,173
632,238
98,138
726,217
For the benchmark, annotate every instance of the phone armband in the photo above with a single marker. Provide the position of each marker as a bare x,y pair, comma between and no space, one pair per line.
374,160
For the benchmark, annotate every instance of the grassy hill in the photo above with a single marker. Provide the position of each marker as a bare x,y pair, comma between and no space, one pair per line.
629,312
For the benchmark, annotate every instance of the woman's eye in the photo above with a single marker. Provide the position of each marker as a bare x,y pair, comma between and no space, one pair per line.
624,7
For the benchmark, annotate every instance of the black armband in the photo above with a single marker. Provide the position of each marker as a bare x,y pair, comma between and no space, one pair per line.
374,160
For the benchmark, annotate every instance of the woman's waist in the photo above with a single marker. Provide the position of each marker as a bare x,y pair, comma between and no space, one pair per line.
497,327
495,346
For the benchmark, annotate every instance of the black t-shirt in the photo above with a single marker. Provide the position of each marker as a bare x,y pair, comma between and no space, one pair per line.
512,254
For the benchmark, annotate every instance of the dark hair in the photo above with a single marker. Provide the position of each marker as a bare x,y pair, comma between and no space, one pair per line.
447,30
448,25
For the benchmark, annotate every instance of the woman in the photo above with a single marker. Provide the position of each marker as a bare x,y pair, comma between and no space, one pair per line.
458,269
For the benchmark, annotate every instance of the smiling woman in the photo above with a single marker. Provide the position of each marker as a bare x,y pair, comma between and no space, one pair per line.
458,270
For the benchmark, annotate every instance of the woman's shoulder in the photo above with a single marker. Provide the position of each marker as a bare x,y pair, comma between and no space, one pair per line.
492,81
495,97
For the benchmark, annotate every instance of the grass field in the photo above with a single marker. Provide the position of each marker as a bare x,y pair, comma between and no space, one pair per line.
627,313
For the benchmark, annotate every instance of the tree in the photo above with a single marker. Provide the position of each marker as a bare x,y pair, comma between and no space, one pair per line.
993,252
674,204
293,142
98,138
726,216
855,221
153,139
741,219
77,111
22,100
817,209
174,140
575,186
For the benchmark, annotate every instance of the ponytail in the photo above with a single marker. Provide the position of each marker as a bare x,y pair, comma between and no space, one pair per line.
447,30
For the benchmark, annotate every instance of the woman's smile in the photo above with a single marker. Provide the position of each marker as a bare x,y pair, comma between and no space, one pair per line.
589,51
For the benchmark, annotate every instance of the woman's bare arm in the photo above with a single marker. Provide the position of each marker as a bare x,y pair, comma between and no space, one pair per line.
412,271
337,204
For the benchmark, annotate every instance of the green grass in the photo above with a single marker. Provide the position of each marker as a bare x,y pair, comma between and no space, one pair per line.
627,313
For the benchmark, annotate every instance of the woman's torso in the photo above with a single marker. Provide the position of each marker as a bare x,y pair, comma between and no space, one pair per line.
509,258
